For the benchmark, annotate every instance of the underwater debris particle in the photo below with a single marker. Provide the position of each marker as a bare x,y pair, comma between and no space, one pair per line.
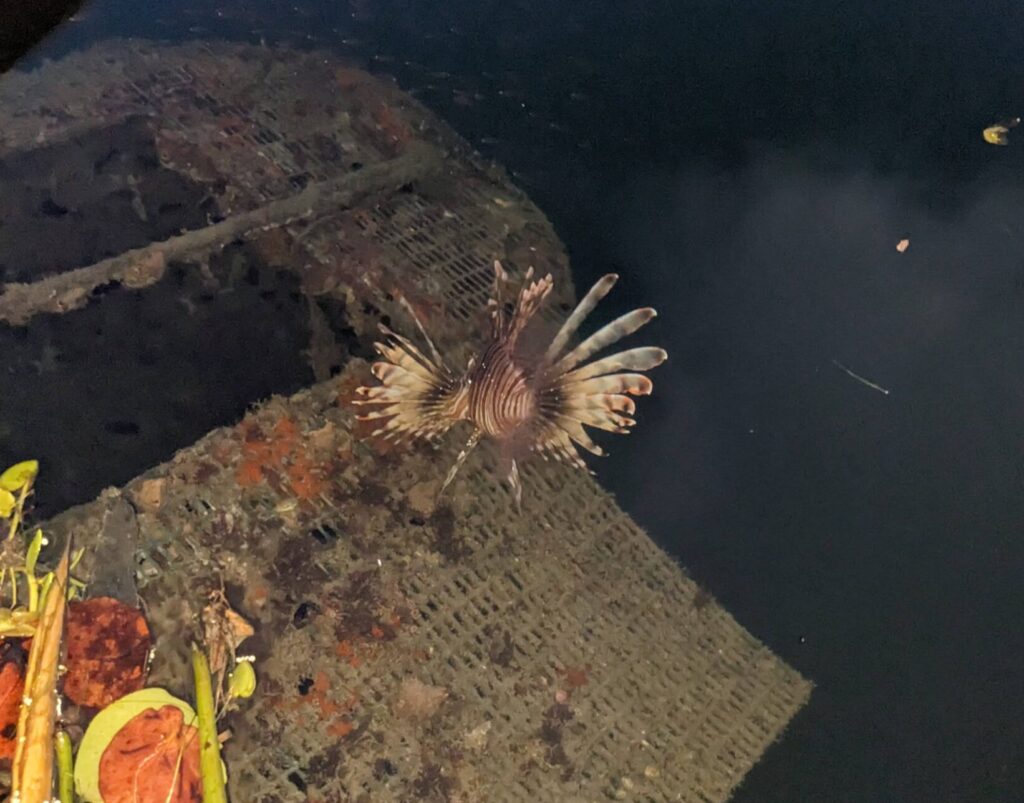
996,133
861,379
502,648
555,719
383,768
108,646
12,685
304,614
576,676
168,749
297,781
432,782
418,700
341,728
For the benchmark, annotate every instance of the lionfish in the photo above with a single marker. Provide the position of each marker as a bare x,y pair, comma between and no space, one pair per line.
528,403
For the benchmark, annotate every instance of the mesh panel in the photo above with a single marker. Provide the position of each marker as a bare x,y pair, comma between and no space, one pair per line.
560,655
256,125
576,659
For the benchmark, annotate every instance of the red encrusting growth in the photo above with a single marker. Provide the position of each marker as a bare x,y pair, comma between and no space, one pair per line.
281,451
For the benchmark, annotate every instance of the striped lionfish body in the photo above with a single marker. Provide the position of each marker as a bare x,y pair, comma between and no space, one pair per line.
527,403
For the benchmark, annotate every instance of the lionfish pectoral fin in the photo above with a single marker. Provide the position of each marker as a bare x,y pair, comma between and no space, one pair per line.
579,393
418,395
605,336
600,289
423,330
474,439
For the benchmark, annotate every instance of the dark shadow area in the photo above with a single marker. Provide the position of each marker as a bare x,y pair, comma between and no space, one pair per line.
102,394
872,539
69,204
23,23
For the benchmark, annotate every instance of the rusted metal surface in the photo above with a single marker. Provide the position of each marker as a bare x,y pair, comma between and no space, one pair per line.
407,650
457,652
254,127
142,267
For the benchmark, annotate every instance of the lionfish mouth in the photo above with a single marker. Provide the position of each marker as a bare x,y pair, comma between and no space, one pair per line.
540,404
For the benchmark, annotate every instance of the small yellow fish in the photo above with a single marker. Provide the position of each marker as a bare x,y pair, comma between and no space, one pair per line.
996,134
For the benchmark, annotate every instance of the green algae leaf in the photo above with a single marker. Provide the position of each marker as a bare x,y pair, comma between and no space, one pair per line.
17,623
7,503
32,555
242,680
106,725
19,475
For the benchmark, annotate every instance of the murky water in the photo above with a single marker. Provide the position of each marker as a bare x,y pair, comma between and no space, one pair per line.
752,168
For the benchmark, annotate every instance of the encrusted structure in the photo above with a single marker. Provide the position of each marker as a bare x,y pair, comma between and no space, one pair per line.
407,649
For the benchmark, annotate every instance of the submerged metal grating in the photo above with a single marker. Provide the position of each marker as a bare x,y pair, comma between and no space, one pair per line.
677,703
578,661
236,119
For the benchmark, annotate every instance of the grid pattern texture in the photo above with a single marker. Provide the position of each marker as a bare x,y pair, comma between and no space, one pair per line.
571,658
407,649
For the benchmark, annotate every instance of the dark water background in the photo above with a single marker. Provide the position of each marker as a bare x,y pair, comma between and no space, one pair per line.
749,167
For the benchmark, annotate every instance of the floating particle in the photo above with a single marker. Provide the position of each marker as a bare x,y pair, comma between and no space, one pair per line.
996,133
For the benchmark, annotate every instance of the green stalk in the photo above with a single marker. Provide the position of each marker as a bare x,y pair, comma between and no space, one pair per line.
65,768
33,591
19,510
210,767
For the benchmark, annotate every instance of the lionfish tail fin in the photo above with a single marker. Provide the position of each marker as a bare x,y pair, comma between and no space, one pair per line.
418,396
599,394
